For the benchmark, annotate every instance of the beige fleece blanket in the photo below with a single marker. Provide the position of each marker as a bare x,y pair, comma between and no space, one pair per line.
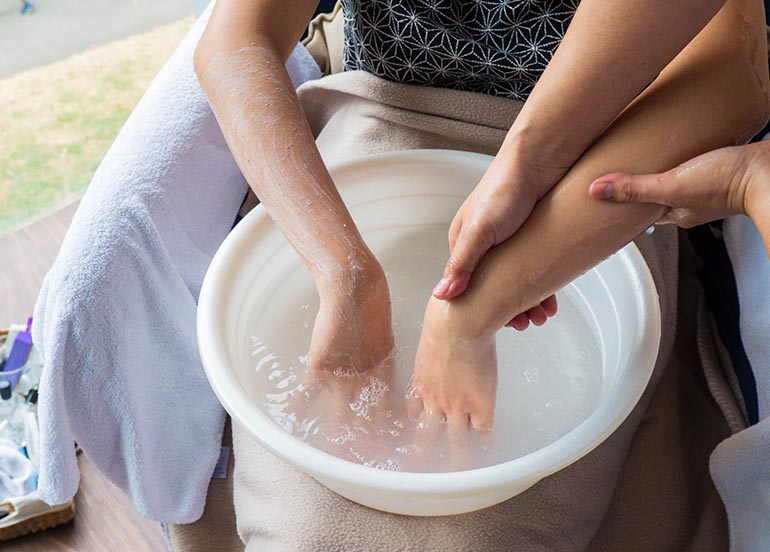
646,488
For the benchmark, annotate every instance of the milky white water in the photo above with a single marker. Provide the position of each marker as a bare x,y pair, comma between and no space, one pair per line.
550,378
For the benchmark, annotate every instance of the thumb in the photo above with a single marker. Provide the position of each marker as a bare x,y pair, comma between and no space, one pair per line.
629,188
470,247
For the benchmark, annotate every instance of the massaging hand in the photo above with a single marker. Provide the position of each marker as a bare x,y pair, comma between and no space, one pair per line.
727,181
491,214
455,375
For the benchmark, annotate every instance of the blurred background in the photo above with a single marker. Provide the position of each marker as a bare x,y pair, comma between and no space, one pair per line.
71,71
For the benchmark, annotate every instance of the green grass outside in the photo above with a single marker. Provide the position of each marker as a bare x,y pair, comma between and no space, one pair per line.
57,122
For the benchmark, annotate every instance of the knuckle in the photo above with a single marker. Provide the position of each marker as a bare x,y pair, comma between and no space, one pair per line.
628,191
484,234
758,152
482,422
476,227
457,264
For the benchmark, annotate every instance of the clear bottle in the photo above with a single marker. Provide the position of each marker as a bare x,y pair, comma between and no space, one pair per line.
30,428
8,403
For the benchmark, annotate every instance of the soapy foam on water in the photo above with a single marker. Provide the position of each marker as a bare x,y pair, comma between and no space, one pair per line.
549,377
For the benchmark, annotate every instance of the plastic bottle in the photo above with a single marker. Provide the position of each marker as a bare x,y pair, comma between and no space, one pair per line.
8,405
31,430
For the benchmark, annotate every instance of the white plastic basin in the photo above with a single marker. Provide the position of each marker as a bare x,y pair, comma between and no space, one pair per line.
388,193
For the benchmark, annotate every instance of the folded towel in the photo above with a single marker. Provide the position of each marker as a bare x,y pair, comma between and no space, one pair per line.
740,465
115,319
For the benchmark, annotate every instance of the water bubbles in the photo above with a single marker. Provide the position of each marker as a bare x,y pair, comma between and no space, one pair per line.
549,378
369,397
275,375
344,438
284,383
554,404
389,465
257,346
531,374
267,360
345,372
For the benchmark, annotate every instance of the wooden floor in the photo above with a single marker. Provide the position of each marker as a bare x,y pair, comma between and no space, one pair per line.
105,520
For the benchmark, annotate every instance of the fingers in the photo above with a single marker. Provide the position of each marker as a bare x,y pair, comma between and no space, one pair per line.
463,432
538,315
660,188
487,442
717,178
482,421
550,306
414,405
459,430
519,322
430,427
471,244
483,438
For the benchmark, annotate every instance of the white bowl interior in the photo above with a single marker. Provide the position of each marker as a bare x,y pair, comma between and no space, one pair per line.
389,197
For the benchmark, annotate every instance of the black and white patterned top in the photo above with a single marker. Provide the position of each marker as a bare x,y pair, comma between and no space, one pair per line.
498,47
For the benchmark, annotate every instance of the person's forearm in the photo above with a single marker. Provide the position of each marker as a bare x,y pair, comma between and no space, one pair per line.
612,50
240,63
713,94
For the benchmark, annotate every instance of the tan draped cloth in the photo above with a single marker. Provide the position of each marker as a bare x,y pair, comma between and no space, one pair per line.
646,488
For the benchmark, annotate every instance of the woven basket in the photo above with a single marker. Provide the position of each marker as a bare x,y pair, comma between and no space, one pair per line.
45,520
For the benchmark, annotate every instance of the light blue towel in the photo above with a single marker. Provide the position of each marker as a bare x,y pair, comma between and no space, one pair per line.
115,319
740,465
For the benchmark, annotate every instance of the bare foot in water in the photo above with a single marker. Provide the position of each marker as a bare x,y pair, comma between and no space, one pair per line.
455,378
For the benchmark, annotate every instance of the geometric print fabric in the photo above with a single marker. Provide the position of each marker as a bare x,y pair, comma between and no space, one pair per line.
497,47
